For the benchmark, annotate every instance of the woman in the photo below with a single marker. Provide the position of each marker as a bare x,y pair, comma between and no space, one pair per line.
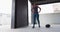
36,14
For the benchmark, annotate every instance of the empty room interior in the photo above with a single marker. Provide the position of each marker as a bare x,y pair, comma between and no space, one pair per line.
17,16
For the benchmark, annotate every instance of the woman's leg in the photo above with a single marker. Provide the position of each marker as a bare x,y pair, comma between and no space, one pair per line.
34,20
38,20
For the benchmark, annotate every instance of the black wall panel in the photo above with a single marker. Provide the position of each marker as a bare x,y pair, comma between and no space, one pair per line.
21,13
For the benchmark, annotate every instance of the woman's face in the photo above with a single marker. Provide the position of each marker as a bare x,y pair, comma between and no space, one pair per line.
34,5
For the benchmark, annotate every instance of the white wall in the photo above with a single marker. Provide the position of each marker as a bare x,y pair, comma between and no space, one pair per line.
29,11
5,6
46,8
50,18
50,8
5,19
50,14
5,12
56,7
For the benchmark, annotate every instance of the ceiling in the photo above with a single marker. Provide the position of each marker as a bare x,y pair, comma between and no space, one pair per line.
39,2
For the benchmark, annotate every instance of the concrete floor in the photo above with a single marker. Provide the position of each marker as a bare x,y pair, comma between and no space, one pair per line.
53,28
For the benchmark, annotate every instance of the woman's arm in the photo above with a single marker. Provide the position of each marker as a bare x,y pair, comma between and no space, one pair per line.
39,10
32,10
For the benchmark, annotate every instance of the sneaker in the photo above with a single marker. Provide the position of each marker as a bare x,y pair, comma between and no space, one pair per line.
33,27
39,26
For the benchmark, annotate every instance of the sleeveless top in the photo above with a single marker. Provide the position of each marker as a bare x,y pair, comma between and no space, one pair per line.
35,9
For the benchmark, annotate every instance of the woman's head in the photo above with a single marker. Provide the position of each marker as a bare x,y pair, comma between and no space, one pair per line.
34,5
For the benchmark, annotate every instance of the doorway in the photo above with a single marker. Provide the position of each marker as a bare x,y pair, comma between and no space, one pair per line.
46,13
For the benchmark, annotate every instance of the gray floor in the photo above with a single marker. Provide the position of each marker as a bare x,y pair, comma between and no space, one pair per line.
54,28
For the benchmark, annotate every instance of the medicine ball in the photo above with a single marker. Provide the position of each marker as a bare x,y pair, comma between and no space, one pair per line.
47,25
